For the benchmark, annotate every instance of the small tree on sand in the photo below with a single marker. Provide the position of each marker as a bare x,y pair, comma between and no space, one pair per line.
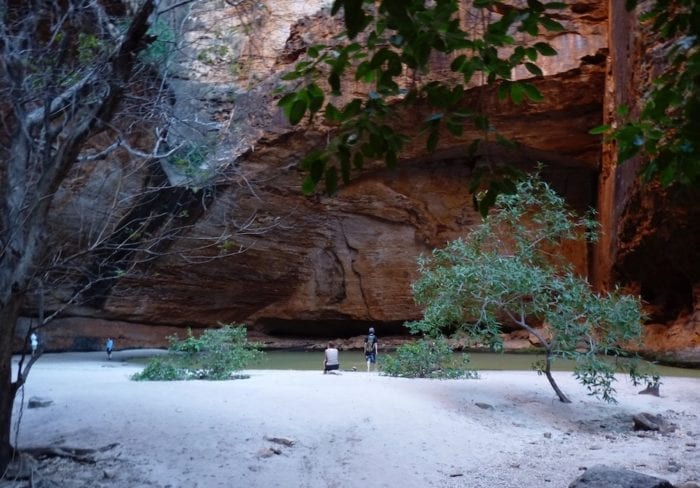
508,271
214,355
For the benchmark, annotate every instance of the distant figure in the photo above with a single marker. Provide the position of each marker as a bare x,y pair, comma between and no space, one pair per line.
330,359
110,347
371,348
35,342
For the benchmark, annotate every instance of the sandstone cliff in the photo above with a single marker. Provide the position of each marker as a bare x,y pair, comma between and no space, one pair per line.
328,267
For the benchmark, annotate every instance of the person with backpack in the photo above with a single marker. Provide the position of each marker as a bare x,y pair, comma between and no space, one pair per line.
370,349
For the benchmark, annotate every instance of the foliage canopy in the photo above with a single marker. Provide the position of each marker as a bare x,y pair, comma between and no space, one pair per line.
387,46
507,271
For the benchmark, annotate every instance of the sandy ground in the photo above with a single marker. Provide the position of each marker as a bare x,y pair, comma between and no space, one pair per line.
349,430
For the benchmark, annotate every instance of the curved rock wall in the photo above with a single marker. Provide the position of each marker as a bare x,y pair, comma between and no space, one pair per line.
328,267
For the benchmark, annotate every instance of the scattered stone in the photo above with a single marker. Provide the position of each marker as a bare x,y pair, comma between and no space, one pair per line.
650,422
109,474
690,444
547,435
484,406
673,466
595,447
39,402
608,477
456,475
265,452
285,441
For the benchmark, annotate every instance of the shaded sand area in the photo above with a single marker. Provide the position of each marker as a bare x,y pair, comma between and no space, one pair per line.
349,430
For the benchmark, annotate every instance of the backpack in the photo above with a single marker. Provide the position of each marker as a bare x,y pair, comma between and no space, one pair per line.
369,343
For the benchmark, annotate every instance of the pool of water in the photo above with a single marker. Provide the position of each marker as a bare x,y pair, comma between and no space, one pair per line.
303,360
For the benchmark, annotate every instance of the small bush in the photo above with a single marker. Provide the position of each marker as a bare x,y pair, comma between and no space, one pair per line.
428,358
160,369
215,355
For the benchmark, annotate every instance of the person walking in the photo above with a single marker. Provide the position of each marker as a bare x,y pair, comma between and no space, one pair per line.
331,362
110,347
34,342
371,349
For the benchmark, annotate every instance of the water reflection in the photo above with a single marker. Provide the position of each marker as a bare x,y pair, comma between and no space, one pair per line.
304,360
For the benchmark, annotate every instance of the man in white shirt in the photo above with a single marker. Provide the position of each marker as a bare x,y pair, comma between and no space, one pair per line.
330,359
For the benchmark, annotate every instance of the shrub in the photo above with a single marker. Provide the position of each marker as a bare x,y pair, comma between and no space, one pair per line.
427,358
215,355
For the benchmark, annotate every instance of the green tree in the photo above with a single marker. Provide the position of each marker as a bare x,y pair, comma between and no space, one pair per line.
507,271
215,355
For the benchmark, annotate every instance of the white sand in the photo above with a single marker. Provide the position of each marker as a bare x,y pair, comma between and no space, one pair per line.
350,430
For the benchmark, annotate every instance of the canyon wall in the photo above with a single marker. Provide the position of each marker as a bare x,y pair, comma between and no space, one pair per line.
325,267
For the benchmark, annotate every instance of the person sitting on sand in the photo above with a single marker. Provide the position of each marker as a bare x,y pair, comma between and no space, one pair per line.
330,359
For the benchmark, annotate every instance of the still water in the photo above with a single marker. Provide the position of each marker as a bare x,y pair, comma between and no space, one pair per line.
302,360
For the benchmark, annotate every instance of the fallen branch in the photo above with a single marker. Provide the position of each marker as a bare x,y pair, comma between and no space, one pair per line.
74,453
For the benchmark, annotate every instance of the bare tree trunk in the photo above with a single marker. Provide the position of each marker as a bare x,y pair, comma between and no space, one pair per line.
8,318
548,373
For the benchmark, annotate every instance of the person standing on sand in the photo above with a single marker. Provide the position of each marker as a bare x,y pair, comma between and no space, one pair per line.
371,348
110,347
330,359
35,342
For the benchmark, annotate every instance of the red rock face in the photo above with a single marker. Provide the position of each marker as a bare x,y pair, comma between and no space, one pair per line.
328,267
653,232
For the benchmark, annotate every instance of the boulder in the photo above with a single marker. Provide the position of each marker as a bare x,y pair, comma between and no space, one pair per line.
39,402
611,477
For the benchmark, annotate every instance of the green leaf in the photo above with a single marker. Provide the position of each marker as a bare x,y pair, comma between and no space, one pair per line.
332,113
308,185
601,129
355,17
551,25
297,111
455,128
331,180
292,75
315,96
517,93
334,82
534,69
313,51
433,138
532,92
503,90
358,160
545,49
